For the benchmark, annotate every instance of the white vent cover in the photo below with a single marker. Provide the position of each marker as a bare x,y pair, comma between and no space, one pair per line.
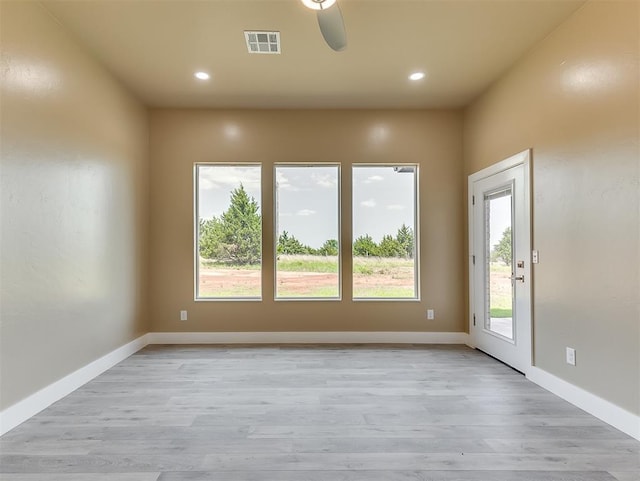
262,42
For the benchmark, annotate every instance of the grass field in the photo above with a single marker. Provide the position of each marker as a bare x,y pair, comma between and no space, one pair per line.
317,276
223,266
311,277
318,264
501,290
383,277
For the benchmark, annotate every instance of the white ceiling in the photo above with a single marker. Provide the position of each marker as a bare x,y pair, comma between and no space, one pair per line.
155,46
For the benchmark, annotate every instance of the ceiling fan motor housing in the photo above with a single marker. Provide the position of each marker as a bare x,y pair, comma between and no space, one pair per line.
318,4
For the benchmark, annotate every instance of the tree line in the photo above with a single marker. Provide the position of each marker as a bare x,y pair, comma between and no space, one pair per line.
235,237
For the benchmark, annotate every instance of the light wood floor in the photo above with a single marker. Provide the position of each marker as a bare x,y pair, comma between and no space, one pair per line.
294,413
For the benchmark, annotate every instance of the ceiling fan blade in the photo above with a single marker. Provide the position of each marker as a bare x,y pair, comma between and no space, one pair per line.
332,27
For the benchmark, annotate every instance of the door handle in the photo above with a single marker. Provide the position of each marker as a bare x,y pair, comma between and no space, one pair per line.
518,278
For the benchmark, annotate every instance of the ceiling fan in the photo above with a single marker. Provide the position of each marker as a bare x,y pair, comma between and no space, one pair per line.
330,22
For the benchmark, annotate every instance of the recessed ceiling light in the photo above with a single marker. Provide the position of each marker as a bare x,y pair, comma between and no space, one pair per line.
202,75
417,76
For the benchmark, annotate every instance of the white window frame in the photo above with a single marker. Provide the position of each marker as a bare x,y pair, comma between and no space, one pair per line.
416,233
276,298
196,237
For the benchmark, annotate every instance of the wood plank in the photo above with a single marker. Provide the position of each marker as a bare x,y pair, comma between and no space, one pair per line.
314,413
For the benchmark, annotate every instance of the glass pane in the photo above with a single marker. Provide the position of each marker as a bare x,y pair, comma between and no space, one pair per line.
384,244
498,216
307,230
229,231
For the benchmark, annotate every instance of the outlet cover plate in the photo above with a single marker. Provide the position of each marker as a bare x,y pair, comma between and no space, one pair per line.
571,356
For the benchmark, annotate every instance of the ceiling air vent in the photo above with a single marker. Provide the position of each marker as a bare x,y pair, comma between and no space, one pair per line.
263,42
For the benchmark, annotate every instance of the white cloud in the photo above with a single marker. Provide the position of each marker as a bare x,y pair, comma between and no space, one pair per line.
326,182
305,212
395,207
228,177
373,178
282,181
368,203
206,184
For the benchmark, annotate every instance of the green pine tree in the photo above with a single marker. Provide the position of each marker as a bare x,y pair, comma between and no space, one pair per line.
390,247
329,248
365,246
242,229
502,250
236,236
406,240
289,245
210,238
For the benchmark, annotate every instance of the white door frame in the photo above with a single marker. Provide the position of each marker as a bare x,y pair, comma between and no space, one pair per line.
524,159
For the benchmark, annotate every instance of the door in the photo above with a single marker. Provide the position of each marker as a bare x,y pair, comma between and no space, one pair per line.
500,264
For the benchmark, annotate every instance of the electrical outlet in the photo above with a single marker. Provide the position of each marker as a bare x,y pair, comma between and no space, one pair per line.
535,257
183,315
571,356
431,314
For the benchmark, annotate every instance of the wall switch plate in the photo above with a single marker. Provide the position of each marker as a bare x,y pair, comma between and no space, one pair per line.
431,314
571,356
183,315
535,257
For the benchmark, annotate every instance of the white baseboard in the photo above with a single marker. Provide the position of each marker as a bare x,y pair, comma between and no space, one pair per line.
604,410
300,337
45,397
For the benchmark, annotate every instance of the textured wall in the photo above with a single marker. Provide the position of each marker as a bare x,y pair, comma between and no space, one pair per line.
181,137
574,99
74,206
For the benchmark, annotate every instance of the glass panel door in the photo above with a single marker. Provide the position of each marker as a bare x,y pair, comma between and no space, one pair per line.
500,261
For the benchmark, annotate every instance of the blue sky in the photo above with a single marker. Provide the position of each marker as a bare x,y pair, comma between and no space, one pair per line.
307,198
499,218
307,203
383,200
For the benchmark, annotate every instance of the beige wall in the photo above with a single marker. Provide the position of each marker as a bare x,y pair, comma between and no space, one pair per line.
574,99
74,203
181,137
74,206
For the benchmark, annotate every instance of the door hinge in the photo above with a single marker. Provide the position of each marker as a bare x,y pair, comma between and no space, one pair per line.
474,319
473,200
474,259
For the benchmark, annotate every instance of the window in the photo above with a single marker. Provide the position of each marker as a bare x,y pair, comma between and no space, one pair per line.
228,231
307,231
384,232
229,237
498,214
